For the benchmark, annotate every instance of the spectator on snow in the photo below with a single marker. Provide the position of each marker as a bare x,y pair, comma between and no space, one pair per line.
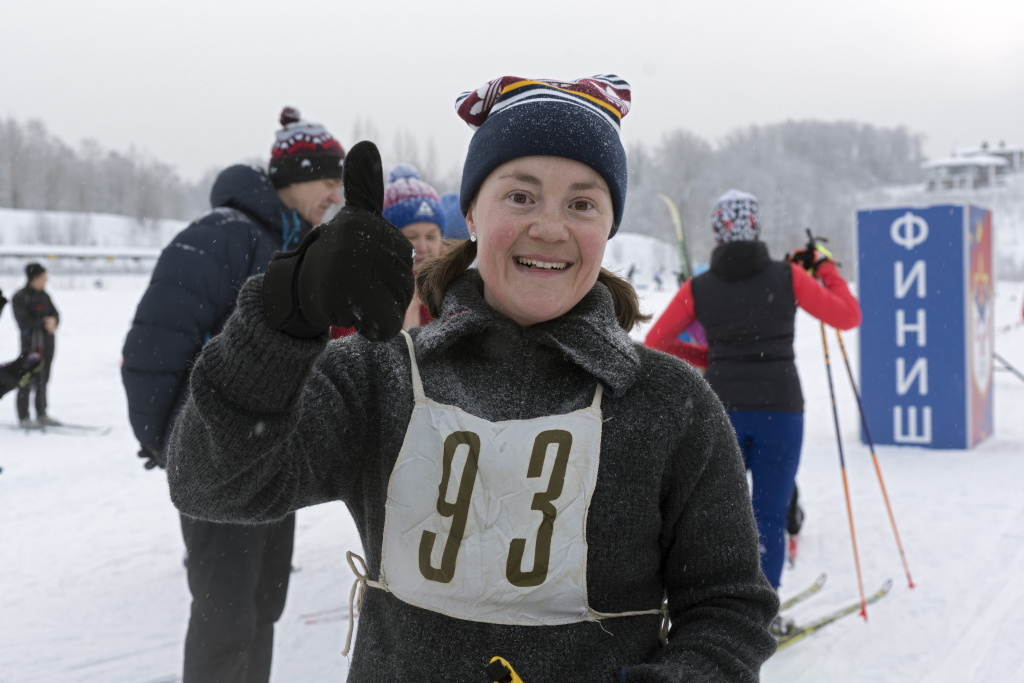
17,372
37,319
747,304
413,207
527,481
238,574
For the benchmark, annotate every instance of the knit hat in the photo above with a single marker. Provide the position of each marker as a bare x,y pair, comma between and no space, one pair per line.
303,151
34,270
517,117
407,199
456,228
735,218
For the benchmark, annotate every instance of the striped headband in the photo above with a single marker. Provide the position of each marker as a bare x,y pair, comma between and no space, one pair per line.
606,95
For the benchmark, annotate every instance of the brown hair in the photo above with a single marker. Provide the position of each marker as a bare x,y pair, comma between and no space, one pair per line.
437,274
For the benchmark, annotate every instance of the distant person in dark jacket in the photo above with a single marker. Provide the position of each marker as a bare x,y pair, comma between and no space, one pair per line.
37,323
747,305
414,207
238,574
17,372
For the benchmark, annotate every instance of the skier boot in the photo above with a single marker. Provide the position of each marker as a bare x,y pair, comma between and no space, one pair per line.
781,626
47,421
795,514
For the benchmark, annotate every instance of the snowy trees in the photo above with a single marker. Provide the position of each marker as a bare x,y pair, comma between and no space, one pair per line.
40,172
806,174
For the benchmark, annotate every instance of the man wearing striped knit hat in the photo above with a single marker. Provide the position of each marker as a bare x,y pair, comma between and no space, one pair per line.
237,574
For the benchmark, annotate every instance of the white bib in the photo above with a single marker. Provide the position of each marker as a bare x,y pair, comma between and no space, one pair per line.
487,521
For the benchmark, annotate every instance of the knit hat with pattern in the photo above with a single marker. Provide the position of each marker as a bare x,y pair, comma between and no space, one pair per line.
303,151
518,117
407,199
735,218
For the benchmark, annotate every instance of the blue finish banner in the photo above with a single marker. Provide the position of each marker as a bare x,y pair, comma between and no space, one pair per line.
913,339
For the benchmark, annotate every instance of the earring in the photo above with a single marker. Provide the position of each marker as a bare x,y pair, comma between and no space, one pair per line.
472,237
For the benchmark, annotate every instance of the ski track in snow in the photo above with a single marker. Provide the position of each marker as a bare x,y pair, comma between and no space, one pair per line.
92,586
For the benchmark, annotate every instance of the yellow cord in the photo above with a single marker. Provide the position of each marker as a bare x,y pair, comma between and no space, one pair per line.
515,677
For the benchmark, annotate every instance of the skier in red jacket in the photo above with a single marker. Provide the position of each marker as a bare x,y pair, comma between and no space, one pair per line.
747,304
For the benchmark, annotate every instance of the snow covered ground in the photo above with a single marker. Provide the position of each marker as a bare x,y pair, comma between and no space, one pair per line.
92,586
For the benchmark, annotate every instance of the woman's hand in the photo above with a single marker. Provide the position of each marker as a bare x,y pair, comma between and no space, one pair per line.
354,271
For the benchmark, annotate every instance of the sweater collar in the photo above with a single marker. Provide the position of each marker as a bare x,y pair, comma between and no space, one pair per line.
589,335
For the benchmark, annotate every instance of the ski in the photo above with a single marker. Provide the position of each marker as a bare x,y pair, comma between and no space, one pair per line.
325,616
805,593
63,428
685,264
801,632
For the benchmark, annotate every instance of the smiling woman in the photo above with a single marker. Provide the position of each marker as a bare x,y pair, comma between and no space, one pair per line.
528,482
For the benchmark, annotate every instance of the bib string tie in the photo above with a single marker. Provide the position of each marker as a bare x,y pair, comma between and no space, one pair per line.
355,596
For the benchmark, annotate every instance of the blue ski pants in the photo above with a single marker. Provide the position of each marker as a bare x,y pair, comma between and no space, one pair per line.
770,443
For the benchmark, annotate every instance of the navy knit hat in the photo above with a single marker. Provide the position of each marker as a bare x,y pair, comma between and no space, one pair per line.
517,117
303,151
408,200
456,228
736,217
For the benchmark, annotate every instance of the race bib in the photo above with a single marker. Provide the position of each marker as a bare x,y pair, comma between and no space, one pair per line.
487,521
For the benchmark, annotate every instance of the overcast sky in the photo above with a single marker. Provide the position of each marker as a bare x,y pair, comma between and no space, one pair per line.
200,83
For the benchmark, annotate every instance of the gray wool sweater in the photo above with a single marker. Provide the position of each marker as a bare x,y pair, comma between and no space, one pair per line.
274,423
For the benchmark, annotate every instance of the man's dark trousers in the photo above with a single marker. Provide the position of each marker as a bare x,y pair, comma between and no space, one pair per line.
38,383
238,575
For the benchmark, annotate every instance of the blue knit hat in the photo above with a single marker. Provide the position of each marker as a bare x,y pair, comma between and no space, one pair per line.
456,228
517,117
407,199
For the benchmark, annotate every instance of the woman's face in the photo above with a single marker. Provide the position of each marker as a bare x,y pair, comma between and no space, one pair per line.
425,238
542,224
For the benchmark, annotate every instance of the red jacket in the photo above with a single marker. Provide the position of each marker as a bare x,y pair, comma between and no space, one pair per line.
833,304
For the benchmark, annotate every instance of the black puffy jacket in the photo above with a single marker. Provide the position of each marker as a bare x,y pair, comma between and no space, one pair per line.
193,290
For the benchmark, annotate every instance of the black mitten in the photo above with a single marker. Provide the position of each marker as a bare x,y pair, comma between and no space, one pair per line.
3,301
354,271
153,458
810,259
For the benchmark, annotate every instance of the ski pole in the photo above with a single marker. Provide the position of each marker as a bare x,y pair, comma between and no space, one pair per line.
842,467
874,459
1006,366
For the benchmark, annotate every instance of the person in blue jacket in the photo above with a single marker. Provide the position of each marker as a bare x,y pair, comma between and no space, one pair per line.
237,574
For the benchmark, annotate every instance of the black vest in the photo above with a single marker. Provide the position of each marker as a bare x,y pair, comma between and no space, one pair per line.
747,307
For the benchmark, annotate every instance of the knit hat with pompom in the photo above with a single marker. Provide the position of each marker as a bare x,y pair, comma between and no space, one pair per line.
303,151
408,199
519,117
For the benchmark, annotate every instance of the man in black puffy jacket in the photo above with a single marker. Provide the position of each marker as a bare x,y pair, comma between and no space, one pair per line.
237,574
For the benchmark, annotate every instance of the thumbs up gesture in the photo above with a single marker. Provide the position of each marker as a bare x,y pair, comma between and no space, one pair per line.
353,271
